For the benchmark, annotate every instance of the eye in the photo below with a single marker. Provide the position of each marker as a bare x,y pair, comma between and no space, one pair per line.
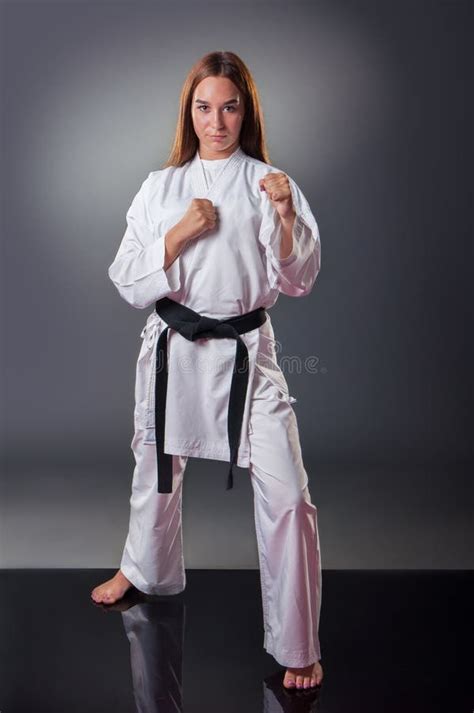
204,106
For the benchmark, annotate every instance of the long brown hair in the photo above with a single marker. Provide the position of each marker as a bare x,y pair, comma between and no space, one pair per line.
252,132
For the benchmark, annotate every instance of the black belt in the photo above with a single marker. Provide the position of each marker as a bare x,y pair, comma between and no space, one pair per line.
192,325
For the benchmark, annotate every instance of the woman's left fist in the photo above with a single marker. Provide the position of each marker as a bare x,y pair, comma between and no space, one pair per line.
277,187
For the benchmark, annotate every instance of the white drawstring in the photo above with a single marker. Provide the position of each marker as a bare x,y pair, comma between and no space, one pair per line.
150,329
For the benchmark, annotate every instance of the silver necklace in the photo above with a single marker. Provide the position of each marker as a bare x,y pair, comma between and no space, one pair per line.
219,173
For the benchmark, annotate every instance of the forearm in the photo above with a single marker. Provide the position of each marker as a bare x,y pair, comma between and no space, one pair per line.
286,245
144,273
175,242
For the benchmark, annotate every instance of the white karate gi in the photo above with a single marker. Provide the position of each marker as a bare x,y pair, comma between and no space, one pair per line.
230,270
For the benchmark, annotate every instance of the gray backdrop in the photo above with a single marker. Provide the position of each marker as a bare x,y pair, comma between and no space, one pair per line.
366,108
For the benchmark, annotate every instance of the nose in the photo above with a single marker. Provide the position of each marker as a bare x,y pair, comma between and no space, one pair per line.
217,121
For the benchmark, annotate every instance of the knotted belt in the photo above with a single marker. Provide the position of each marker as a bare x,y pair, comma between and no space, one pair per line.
192,326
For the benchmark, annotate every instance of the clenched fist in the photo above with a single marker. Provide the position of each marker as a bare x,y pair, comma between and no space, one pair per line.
277,187
200,216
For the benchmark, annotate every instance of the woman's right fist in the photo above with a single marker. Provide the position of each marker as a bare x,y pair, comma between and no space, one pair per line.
200,216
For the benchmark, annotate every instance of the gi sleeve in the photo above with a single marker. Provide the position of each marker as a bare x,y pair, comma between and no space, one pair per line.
137,270
295,274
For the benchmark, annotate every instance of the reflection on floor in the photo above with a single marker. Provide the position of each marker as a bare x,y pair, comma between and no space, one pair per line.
391,641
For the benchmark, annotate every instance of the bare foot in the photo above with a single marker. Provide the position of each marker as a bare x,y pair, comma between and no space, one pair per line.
111,590
306,677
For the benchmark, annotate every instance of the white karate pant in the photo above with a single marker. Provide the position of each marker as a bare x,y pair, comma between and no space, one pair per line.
285,523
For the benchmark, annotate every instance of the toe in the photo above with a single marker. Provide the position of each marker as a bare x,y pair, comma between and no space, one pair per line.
289,680
299,681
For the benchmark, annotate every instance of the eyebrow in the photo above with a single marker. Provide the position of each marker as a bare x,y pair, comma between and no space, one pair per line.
231,101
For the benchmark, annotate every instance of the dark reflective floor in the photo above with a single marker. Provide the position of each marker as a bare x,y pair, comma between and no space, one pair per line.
391,641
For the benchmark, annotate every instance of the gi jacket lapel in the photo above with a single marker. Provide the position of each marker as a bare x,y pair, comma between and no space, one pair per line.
223,178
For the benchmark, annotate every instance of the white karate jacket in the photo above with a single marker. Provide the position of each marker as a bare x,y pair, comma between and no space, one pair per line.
227,271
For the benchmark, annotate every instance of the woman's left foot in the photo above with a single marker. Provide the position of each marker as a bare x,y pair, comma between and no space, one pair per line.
306,677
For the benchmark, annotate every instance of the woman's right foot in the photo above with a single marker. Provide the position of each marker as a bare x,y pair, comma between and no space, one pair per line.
111,590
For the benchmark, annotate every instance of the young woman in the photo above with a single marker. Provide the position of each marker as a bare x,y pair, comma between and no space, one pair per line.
212,239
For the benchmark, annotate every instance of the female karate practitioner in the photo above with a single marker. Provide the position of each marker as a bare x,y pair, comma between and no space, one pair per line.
211,240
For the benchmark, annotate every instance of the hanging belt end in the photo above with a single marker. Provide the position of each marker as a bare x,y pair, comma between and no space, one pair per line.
230,479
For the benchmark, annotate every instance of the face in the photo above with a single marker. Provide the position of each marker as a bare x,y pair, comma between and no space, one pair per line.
217,109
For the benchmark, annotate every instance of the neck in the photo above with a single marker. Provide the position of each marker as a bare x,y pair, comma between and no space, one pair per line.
210,155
